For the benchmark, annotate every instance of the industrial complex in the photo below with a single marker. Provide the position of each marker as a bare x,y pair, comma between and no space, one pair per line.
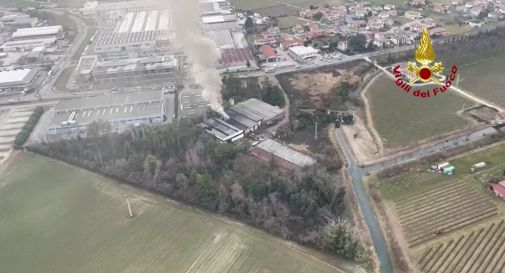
72,116
244,117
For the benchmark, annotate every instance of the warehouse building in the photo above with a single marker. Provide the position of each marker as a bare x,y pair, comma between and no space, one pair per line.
27,45
192,103
18,21
128,72
236,59
222,130
282,155
244,118
73,116
302,53
12,81
38,33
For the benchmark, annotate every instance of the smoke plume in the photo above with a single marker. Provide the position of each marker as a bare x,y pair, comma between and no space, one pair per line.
200,51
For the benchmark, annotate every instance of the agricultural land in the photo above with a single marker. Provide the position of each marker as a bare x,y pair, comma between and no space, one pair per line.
485,78
402,119
451,223
58,218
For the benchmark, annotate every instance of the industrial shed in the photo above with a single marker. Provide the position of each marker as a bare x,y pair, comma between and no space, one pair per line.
17,80
72,116
244,117
282,155
38,32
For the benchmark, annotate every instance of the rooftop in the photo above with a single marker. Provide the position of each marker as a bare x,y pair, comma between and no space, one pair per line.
303,50
36,31
268,51
16,76
235,55
256,110
109,100
286,153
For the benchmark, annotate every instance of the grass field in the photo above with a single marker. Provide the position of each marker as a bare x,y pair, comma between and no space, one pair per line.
57,218
259,4
402,119
460,205
485,78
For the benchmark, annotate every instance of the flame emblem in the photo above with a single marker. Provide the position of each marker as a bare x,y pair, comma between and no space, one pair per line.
425,56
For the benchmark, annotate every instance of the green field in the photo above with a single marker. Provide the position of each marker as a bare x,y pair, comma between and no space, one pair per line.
402,119
485,78
58,218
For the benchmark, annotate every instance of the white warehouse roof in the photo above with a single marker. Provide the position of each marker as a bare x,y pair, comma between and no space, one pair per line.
16,76
286,153
303,50
37,31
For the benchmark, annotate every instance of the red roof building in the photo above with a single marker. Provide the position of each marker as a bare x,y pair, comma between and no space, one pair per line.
498,189
235,58
268,53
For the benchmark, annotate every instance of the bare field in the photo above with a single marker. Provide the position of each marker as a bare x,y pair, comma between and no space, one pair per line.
58,218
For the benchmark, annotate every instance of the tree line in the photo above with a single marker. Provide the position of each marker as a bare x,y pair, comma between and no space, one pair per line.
179,161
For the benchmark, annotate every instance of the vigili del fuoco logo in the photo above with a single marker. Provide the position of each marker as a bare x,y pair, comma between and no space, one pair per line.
423,71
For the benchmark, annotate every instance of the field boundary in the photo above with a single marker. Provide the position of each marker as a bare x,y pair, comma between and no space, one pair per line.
368,115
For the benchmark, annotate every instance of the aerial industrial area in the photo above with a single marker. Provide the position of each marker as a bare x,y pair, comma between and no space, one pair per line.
252,136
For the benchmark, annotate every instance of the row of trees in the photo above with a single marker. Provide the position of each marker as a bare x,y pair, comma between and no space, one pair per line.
27,129
180,162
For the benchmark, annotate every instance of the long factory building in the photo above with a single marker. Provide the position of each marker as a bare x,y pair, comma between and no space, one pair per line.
73,116
132,71
244,117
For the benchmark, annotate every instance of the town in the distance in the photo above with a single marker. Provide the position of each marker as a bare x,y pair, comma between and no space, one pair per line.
246,136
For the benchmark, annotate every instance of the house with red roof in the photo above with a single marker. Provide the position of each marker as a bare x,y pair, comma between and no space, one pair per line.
268,53
498,189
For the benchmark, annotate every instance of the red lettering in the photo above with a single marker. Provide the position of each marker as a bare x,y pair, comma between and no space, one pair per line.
435,91
396,70
454,69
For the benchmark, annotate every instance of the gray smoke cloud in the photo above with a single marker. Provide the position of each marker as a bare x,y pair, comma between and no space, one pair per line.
200,51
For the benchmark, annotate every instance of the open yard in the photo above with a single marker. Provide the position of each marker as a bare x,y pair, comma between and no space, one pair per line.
402,119
470,218
58,218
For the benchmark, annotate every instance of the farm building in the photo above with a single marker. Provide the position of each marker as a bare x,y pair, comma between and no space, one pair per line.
38,33
302,53
498,189
17,80
245,117
282,155
72,116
